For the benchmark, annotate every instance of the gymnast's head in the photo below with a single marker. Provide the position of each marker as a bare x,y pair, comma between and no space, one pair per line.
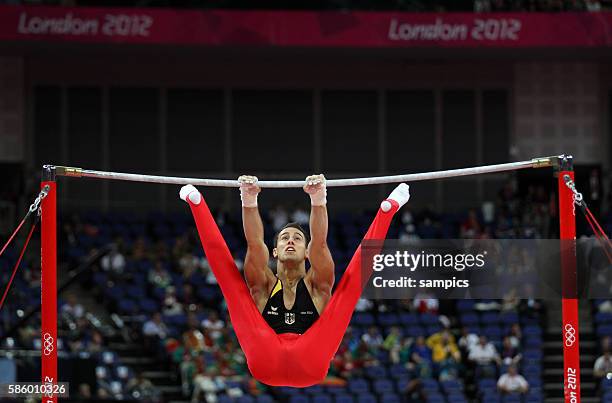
291,243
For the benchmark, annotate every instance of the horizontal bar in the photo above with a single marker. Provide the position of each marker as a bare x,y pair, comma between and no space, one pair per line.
376,180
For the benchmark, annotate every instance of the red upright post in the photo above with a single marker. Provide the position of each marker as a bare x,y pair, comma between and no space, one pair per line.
570,330
48,282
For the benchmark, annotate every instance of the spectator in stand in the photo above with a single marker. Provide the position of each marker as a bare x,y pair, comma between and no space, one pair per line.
427,229
140,251
210,382
279,217
181,248
343,365
188,265
471,227
213,324
300,216
363,305
194,340
96,344
187,368
72,310
154,331
372,339
187,296
405,349
420,355
103,383
171,305
142,389
606,344
84,391
114,261
485,357
445,354
510,355
426,303
516,335
351,339
593,5
467,340
510,302
512,382
363,356
159,277
603,366
393,343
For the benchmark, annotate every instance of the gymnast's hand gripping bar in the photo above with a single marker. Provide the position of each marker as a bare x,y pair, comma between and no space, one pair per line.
511,166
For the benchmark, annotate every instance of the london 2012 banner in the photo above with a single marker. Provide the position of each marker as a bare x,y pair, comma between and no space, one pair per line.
304,28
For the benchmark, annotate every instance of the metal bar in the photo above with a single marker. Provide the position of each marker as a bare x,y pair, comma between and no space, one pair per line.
511,166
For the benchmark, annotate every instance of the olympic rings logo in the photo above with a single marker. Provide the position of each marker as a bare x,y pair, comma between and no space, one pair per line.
48,344
570,335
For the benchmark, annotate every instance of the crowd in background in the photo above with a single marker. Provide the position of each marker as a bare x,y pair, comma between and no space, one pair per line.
204,351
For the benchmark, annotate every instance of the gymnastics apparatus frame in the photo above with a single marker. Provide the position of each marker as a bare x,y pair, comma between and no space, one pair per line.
563,170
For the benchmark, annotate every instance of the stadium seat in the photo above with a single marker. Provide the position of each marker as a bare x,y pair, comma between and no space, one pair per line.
509,318
492,397
398,371
265,398
344,398
429,319
408,319
414,331
314,390
388,319
363,319
532,330
465,305
299,399
382,386
358,386
321,398
376,372
603,317
456,398
489,318
604,330
513,398
366,398
452,386
430,385
390,398
469,319
435,398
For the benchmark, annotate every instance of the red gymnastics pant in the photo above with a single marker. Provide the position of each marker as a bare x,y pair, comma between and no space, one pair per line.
286,359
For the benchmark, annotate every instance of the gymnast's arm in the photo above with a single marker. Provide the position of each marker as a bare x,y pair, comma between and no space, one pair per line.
321,262
258,275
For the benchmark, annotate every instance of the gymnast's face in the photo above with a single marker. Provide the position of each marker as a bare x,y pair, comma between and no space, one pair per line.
290,246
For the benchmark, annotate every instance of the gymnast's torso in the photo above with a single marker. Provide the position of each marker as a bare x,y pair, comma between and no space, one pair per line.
299,318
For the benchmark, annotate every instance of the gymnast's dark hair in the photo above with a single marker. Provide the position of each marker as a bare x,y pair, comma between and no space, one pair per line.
291,225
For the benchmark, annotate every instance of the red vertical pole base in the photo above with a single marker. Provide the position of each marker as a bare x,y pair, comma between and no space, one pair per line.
48,288
570,329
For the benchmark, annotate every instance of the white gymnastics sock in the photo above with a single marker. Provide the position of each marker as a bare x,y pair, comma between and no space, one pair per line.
190,191
401,195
